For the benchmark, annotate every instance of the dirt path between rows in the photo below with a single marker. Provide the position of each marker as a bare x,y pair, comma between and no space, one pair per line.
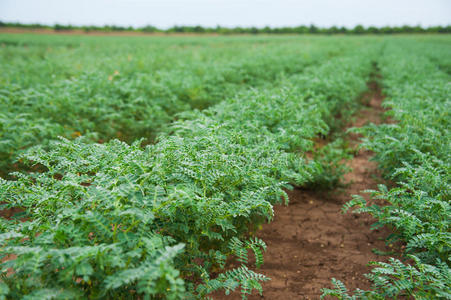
310,241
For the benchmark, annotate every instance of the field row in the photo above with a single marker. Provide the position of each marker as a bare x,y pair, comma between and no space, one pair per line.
70,87
106,220
173,151
413,153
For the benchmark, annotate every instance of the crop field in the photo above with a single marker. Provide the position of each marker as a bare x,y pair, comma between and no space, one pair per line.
162,167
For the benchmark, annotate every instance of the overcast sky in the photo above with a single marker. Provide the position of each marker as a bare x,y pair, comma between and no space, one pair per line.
166,13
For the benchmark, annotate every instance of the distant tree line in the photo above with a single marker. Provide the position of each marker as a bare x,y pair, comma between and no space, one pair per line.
312,29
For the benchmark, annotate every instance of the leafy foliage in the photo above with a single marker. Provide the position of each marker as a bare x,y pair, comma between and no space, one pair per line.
107,220
129,89
414,152
395,279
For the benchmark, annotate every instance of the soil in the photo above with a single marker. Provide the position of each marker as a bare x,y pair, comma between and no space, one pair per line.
310,241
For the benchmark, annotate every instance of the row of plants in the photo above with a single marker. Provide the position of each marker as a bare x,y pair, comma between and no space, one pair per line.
115,220
71,87
414,153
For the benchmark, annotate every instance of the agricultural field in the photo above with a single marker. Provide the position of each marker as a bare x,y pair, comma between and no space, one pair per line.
153,167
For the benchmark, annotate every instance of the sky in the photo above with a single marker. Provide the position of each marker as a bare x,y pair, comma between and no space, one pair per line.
230,13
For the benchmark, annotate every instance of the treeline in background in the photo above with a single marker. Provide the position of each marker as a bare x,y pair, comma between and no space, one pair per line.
312,29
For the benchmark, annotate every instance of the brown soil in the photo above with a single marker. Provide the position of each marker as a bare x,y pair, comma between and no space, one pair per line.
9,213
310,241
